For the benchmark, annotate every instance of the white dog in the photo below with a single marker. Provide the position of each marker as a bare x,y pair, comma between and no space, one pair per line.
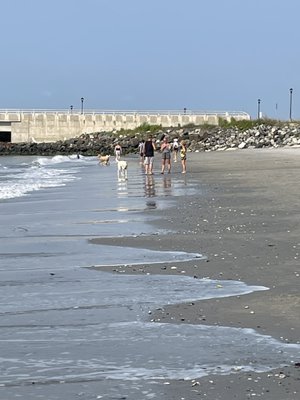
104,160
122,169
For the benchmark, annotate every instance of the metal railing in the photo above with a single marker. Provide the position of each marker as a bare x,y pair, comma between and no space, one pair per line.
127,112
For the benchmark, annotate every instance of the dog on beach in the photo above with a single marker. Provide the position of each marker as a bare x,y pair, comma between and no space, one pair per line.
103,160
122,169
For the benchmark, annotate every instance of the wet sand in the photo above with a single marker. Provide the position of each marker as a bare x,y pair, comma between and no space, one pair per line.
246,221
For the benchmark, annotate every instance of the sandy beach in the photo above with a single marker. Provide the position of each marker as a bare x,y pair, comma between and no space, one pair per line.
246,222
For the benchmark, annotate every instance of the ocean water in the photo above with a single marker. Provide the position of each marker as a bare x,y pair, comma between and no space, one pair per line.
68,331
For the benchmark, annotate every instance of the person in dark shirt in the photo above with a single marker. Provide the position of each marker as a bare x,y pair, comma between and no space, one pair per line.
149,148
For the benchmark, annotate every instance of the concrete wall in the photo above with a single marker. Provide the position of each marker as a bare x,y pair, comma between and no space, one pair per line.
51,126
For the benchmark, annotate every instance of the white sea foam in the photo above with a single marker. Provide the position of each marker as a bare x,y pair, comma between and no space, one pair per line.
20,179
55,160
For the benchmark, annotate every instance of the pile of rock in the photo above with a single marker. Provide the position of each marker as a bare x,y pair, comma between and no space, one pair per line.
86,144
197,139
258,137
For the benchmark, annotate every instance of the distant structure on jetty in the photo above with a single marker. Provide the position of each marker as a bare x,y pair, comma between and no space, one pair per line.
18,126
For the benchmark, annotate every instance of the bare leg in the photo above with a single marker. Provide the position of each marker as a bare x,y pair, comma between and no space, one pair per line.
151,168
169,165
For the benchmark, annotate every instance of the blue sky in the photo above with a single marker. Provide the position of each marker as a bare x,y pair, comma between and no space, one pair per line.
151,54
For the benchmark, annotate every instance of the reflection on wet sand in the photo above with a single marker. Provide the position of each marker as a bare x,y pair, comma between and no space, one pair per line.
150,186
122,189
150,191
167,185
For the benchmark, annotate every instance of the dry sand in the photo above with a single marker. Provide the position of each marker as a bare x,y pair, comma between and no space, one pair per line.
246,220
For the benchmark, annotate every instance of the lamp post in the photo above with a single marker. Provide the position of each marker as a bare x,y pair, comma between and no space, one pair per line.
82,100
291,102
258,108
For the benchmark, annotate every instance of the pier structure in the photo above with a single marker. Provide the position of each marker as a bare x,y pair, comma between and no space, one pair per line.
18,126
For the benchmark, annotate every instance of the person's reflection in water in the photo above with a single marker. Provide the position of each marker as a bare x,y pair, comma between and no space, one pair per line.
167,185
149,186
150,191
184,180
167,182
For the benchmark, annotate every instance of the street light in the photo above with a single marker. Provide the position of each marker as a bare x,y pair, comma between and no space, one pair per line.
291,102
258,108
82,100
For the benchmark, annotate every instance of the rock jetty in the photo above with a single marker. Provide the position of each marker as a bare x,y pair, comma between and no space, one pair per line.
206,138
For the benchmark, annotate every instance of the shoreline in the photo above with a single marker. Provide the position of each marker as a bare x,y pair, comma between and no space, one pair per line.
246,222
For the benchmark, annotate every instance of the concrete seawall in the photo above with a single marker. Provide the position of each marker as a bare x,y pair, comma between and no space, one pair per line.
51,126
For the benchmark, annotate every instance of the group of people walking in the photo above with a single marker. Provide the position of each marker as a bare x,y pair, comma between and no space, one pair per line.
147,148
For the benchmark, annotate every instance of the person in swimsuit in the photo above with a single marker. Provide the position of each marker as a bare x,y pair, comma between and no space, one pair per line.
183,156
165,149
118,151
